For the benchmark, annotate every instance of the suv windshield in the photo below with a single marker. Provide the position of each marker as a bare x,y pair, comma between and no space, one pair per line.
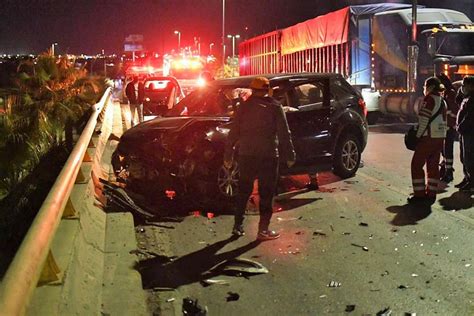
210,101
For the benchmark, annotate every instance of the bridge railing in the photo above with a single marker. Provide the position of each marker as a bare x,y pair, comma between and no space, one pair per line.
29,262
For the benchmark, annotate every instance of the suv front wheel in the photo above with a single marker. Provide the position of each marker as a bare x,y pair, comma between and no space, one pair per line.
347,156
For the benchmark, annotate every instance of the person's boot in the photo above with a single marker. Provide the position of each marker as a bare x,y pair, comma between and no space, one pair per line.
313,184
267,235
238,229
413,199
448,176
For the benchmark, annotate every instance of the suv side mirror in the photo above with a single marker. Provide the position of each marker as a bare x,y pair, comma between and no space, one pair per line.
431,45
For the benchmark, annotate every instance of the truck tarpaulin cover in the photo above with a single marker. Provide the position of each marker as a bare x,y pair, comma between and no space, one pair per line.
325,30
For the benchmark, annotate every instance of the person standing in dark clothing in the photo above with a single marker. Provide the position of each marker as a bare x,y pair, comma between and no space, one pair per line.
131,91
465,127
263,135
141,98
449,96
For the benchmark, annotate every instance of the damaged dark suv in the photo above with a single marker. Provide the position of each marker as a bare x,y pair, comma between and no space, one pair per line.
182,152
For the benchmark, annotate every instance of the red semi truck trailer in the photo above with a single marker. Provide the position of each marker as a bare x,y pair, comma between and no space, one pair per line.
368,45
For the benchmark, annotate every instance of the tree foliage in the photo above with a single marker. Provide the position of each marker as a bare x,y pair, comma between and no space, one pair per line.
52,93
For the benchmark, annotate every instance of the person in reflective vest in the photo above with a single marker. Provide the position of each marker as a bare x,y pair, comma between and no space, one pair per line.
430,143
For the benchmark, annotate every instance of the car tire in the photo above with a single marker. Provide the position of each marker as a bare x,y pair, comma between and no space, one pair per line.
347,156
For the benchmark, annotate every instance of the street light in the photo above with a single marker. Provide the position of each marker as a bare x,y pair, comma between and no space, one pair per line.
223,32
179,39
233,37
52,48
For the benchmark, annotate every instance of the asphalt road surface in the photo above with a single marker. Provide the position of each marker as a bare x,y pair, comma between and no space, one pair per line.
414,261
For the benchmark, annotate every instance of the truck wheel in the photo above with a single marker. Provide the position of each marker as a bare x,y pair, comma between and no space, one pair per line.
347,156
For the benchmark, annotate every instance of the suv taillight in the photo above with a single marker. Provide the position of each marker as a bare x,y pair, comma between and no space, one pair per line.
363,106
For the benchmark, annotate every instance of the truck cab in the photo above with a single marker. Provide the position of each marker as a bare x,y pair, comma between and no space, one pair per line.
444,43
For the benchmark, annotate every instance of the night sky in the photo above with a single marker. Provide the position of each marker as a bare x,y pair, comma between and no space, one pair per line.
88,26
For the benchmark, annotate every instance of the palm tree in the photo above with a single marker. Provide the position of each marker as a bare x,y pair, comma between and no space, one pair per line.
53,94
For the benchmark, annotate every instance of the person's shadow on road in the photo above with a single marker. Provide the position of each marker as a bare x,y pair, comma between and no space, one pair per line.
409,214
164,272
457,201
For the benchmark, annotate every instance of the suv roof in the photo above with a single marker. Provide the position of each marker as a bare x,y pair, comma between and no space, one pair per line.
274,78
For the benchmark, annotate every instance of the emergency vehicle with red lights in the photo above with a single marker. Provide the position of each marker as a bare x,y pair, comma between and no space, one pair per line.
187,69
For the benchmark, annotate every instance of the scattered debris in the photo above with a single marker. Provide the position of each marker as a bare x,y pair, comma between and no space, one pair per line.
241,265
351,182
414,275
144,253
209,282
363,224
334,284
120,197
467,265
319,233
323,296
170,300
281,219
192,308
385,312
232,296
350,308
359,246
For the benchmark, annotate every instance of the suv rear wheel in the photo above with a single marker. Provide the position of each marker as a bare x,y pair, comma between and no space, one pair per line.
347,156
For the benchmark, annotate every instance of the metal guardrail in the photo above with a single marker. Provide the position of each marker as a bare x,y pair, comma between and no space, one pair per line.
25,270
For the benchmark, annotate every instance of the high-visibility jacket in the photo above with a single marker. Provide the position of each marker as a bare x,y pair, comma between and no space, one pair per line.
437,129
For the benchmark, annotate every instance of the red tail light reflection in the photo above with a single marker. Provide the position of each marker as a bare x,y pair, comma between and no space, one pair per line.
363,106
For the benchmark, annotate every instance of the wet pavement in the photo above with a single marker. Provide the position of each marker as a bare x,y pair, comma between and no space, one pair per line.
353,246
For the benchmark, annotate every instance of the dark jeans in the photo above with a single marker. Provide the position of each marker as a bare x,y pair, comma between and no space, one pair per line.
266,171
448,149
468,156
136,107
